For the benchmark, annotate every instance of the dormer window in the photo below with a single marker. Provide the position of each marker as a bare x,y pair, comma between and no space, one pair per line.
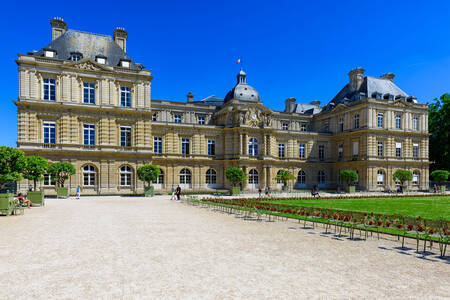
76,56
50,53
101,59
125,63
389,97
377,95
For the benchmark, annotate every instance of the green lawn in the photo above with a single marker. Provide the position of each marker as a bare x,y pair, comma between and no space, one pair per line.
426,207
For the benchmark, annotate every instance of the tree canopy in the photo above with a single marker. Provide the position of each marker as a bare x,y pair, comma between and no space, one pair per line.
439,127
348,176
235,175
61,171
148,173
12,162
35,167
440,175
284,176
402,176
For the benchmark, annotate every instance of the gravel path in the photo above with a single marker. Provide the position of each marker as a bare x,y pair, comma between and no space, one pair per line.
137,248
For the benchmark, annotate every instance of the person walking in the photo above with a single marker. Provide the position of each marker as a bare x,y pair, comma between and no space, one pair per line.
259,191
173,193
178,193
77,195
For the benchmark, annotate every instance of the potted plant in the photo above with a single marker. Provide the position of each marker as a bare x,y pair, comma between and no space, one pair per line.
440,176
34,169
349,177
11,166
284,176
60,172
403,176
236,176
149,174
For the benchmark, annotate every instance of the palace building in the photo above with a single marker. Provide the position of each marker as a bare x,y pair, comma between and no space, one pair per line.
83,100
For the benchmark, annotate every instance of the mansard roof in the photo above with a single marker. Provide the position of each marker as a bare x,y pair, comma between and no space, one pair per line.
210,100
89,45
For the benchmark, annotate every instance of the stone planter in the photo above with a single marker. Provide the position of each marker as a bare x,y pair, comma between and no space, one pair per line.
235,190
351,189
6,203
62,192
443,187
285,188
149,191
36,197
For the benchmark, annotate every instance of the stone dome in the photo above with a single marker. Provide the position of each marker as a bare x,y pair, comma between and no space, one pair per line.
242,91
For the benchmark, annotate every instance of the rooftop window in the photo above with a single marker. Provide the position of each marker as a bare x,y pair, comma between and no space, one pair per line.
49,53
101,59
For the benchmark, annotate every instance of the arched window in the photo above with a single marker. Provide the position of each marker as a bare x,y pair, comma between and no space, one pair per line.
211,176
125,175
253,177
278,179
415,179
321,177
160,179
89,173
185,176
380,177
253,147
301,177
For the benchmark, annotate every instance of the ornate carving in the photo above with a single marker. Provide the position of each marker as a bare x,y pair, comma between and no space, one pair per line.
87,66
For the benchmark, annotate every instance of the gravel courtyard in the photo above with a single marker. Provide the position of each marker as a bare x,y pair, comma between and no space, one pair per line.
138,248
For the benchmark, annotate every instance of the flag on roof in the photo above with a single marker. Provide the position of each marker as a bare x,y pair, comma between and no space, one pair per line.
238,61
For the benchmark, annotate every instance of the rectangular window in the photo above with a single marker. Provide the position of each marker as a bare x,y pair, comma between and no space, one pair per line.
157,144
356,121
340,151
398,121
89,93
177,118
303,127
49,133
355,148
125,96
211,147
301,150
416,123
285,126
49,89
281,150
380,149
326,127
201,120
415,150
341,125
398,149
321,152
48,181
380,178
154,117
380,120
125,136
185,146
89,134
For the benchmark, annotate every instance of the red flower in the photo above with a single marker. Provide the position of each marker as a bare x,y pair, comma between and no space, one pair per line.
410,227
381,223
370,222
420,228
399,225
387,223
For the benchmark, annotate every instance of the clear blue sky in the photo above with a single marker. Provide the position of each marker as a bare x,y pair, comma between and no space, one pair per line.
301,49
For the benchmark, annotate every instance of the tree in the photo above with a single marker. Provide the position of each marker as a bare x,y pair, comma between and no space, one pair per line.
35,167
12,162
61,171
284,176
402,176
235,175
148,173
440,175
348,176
439,127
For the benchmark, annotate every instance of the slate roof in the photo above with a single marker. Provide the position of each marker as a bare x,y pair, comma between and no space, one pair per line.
210,100
89,45
308,109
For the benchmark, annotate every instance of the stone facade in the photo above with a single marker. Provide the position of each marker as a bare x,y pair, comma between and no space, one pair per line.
95,111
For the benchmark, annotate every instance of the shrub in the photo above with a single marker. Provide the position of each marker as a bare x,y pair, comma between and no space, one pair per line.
402,176
148,173
440,175
35,167
12,162
61,171
235,175
348,176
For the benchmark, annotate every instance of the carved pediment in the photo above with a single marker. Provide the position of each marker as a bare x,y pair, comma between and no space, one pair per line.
87,65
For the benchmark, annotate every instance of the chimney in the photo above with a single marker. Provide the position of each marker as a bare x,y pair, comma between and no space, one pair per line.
388,76
316,103
120,37
59,27
190,97
290,104
356,77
